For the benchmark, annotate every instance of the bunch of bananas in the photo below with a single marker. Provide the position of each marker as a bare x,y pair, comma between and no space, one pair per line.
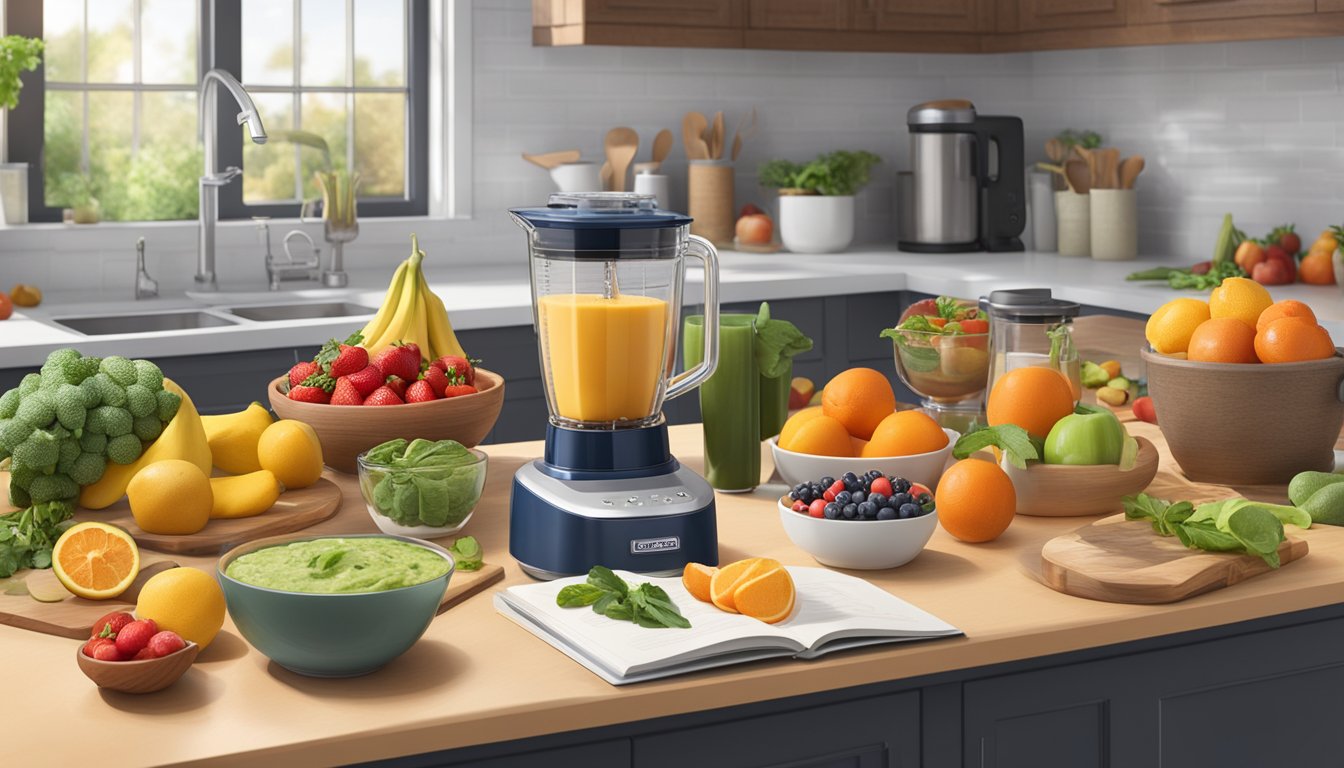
412,313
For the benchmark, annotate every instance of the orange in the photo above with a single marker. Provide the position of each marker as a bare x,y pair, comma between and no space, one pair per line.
1223,340
731,576
820,436
1239,297
1169,328
696,579
1033,398
1293,340
95,560
905,433
857,445
796,420
859,398
1285,308
1317,268
976,500
768,596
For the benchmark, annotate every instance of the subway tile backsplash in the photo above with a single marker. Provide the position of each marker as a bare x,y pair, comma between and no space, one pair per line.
1252,128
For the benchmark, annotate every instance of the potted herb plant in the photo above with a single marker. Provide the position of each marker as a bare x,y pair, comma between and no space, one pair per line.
816,199
18,54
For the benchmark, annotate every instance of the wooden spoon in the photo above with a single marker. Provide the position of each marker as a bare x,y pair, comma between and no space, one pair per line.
1090,160
716,135
621,144
662,146
693,136
1054,149
1079,177
1130,170
1110,163
549,160
605,175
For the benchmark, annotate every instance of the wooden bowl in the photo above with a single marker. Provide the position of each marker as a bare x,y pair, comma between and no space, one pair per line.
1248,424
1058,490
347,431
145,676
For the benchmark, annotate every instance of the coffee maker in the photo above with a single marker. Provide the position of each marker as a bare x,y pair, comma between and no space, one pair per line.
956,199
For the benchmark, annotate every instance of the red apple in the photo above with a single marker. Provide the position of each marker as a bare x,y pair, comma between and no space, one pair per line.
800,392
755,229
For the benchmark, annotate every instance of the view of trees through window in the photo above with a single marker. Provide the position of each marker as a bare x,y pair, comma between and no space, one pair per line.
328,77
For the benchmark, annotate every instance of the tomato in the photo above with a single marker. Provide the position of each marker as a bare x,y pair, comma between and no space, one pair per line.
1144,410
975,326
1290,242
6,307
1274,272
755,229
1248,254
938,321
1317,269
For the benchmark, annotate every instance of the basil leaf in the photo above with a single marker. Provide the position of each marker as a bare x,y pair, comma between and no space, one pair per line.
604,601
1013,440
620,611
1207,537
1259,530
603,577
576,595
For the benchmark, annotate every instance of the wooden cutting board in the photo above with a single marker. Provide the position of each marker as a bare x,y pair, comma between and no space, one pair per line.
1124,561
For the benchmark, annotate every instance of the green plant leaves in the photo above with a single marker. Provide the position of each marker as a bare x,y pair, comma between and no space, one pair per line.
1229,525
1013,440
647,605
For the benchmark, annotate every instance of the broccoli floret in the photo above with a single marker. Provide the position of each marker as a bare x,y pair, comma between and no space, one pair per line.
140,401
66,454
115,421
29,384
93,396
124,449
109,391
119,368
52,378
168,403
53,370
70,410
39,451
76,371
18,496
56,487
147,428
60,356
9,403
37,409
21,474
148,375
88,468
92,443
13,432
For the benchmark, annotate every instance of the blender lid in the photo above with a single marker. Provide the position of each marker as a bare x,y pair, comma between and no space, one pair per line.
941,112
601,210
1028,304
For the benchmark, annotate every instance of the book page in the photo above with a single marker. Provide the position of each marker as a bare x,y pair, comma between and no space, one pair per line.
834,605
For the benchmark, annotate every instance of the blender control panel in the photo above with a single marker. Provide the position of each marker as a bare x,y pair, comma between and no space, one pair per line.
652,500
677,493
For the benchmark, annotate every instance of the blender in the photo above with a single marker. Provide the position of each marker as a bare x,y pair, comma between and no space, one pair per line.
1030,327
607,272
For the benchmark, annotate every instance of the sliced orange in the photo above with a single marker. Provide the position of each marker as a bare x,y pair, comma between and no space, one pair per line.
696,578
96,561
768,596
729,577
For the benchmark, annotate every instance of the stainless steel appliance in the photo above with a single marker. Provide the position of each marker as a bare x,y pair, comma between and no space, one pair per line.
968,191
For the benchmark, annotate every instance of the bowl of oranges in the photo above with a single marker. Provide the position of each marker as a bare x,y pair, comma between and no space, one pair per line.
857,427
1247,390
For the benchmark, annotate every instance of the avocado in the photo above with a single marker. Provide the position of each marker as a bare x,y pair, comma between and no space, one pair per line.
1305,484
1326,505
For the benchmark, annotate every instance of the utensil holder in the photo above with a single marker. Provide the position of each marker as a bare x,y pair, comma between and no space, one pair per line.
1115,224
1073,217
1044,229
710,200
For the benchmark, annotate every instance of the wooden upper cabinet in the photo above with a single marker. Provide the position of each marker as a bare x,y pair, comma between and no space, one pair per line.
1037,15
833,15
678,13
1330,6
928,15
1168,11
668,23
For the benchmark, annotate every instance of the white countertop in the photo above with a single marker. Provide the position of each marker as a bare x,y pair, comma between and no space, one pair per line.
493,297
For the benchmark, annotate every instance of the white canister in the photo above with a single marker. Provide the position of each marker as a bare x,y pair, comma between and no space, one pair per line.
654,184
13,194
816,223
577,177
1115,224
1044,231
1073,217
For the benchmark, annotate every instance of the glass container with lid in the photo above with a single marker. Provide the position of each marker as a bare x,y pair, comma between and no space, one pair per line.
607,272
1027,327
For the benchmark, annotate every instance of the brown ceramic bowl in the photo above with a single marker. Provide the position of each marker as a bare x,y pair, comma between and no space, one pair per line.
1058,490
347,431
145,676
1248,424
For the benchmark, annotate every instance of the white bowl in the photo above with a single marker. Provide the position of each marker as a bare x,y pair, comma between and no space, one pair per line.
922,468
867,545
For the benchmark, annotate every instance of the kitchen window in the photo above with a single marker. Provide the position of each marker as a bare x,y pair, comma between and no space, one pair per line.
339,84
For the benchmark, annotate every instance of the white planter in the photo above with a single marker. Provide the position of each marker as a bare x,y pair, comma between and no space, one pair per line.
13,194
816,223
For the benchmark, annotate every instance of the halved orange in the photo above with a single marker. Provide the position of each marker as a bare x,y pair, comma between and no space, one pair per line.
767,596
696,578
96,561
730,576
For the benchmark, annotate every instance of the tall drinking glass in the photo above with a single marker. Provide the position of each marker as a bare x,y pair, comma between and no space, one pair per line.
730,402
775,402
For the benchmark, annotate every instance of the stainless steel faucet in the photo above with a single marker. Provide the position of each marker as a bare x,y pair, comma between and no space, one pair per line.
146,287
213,178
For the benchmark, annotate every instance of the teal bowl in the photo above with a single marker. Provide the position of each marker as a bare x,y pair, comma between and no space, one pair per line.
332,635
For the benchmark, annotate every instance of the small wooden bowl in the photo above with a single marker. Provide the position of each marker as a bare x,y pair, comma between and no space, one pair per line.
347,431
1058,490
145,676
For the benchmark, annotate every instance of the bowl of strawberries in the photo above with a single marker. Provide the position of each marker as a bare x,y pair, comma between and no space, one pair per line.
447,398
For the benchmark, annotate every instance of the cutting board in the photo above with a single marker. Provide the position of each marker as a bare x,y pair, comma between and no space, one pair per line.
1124,561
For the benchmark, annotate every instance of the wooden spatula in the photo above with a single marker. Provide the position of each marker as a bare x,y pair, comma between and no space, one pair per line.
662,146
621,144
1130,170
693,136
549,160
1079,177
716,133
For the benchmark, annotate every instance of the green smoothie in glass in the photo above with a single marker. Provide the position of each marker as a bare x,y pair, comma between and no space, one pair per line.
729,402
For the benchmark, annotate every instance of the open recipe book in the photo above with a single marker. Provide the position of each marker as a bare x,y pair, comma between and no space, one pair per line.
832,612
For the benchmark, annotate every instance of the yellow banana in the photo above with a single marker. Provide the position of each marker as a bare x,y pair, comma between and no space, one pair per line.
397,326
378,324
244,495
416,331
442,338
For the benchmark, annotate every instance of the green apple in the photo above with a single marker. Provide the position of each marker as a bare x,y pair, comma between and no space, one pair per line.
1095,437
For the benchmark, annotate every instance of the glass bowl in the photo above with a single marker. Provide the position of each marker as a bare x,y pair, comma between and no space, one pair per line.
944,369
423,502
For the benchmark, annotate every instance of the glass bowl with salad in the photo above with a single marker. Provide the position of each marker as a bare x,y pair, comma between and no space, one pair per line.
421,488
941,348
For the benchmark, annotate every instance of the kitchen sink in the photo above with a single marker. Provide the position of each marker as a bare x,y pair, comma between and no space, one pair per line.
163,321
275,312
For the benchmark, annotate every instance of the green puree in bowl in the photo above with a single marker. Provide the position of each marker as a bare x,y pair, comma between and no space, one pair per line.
337,565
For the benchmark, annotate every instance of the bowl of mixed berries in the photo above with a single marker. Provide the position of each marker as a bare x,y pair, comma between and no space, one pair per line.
866,522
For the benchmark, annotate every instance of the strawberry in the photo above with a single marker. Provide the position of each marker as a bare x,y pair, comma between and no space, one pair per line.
332,349
420,392
301,371
111,624
107,651
144,654
459,365
413,348
95,643
457,390
400,361
309,395
135,636
346,393
437,379
165,642
367,380
383,396
350,360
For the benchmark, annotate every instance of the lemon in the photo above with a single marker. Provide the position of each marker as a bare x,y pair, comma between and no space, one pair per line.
291,451
186,601
1169,328
1239,297
171,497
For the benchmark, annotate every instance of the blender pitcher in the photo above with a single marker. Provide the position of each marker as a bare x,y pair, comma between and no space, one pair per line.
1029,327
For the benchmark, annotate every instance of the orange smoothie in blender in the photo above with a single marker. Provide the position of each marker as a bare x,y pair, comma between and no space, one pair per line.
605,354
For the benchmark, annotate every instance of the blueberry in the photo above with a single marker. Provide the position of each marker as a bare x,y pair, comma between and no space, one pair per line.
826,482
849,477
858,497
850,511
899,500
904,513
842,498
878,499
900,484
868,509
886,513
910,510
873,474
805,495
832,511
923,499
